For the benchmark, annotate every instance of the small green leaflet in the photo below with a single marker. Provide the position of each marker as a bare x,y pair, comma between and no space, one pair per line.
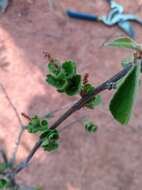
49,139
66,70
3,183
90,126
124,42
69,68
95,101
60,84
74,85
37,125
121,105
54,69
50,134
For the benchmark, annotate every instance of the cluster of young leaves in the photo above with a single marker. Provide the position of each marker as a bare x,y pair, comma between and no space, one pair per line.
48,136
122,102
64,77
4,182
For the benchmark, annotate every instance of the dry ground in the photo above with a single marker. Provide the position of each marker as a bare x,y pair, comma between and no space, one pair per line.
109,160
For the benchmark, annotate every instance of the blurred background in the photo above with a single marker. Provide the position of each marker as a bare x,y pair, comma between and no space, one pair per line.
110,159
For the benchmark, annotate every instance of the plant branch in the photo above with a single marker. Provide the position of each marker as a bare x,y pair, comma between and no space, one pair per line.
17,143
13,159
4,156
77,106
11,104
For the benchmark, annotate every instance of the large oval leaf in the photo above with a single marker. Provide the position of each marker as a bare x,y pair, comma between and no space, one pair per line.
124,42
123,100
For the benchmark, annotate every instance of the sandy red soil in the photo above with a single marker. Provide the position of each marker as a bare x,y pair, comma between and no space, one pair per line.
109,160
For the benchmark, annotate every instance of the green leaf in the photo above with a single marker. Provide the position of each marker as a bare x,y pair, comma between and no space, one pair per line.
87,88
123,100
95,101
74,85
50,134
60,84
49,139
69,68
44,123
35,121
37,125
34,125
50,147
54,67
90,126
124,42
45,142
53,136
3,183
32,129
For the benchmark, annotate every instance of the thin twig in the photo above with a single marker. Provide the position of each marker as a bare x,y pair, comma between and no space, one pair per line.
77,106
17,143
11,104
4,156
13,159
